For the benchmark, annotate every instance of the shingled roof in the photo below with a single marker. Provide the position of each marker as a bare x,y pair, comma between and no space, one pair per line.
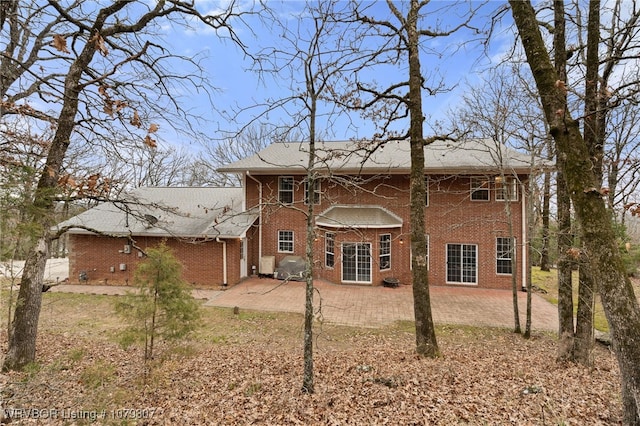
186,212
467,156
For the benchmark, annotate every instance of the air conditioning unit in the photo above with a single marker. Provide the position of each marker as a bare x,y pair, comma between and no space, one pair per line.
267,265
127,249
123,266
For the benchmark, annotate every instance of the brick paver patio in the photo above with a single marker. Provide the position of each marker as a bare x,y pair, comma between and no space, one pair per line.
369,306
378,306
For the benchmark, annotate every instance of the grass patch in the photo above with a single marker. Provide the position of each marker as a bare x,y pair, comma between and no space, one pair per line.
97,375
548,283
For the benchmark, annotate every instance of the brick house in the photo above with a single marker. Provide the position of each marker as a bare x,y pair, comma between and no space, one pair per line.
205,227
474,210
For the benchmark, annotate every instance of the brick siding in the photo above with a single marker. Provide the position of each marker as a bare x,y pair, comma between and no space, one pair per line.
100,258
451,218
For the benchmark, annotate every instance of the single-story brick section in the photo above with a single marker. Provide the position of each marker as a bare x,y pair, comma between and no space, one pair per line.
205,227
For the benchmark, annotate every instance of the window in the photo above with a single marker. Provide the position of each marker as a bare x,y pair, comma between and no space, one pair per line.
385,251
504,254
285,241
462,263
329,249
480,189
506,189
356,262
285,190
316,192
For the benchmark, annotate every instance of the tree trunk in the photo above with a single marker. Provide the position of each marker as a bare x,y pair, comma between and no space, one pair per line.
565,266
583,339
546,201
308,377
605,261
565,237
22,342
24,328
426,343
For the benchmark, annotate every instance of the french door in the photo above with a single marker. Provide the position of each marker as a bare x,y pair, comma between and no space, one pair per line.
356,262
462,263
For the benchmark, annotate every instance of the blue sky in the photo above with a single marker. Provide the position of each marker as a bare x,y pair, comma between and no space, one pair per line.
459,62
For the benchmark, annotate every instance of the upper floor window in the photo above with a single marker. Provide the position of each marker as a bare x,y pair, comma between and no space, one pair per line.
285,189
385,251
506,188
285,241
504,255
480,189
316,192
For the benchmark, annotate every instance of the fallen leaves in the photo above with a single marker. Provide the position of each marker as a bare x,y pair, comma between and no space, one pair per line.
247,369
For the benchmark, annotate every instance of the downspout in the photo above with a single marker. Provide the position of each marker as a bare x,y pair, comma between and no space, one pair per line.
224,261
260,217
525,244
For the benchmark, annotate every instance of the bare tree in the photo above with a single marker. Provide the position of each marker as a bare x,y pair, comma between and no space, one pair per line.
601,250
250,140
312,62
498,108
86,99
399,40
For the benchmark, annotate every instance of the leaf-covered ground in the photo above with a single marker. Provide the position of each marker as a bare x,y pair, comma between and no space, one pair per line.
247,369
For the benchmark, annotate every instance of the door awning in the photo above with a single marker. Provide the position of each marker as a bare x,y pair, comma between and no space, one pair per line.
371,217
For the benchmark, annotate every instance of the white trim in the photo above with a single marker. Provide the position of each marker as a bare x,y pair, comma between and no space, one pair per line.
333,248
510,259
286,241
380,251
480,188
510,180
293,189
317,190
357,281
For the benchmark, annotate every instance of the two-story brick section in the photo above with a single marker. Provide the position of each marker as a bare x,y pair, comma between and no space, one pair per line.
475,213
475,210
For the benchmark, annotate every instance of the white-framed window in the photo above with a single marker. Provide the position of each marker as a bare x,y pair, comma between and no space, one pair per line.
329,249
285,241
316,192
385,251
356,262
506,188
480,189
504,255
285,189
462,263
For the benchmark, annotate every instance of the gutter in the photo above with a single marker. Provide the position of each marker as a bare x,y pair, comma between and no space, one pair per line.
525,244
248,174
224,261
